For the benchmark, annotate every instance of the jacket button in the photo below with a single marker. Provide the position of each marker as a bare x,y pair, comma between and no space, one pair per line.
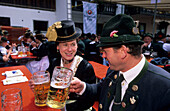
134,87
115,76
123,104
110,84
100,106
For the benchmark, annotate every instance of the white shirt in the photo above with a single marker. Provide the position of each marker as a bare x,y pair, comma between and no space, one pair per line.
129,76
166,46
3,50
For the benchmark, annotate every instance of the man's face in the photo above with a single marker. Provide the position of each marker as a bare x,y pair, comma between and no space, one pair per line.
4,44
114,58
147,40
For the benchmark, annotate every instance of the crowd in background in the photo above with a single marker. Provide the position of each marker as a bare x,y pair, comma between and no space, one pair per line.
157,47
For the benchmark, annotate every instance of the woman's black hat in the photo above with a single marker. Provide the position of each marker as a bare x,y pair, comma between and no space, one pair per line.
66,31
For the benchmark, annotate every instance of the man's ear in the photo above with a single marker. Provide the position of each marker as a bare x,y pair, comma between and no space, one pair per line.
124,51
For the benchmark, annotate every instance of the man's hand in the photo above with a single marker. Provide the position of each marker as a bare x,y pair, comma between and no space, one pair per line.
76,85
5,58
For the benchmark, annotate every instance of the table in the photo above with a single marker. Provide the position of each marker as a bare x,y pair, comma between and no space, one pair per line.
23,60
27,94
99,69
26,57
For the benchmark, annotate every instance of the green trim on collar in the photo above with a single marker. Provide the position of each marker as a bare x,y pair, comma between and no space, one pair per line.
141,74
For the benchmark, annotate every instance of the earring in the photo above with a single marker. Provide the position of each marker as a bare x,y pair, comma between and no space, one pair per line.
57,50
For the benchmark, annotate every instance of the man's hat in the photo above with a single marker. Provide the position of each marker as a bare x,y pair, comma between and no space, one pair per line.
148,35
160,36
0,32
120,29
4,32
4,39
66,31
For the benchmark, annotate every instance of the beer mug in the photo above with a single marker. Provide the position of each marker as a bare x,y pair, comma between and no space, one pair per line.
59,87
20,51
11,99
41,87
147,55
28,51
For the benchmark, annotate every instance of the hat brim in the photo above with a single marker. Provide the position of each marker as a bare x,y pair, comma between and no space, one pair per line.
125,39
77,34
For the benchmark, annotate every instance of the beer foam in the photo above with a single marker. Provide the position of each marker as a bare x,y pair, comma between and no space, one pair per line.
60,87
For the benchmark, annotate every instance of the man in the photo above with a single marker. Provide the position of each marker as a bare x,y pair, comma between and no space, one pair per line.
144,87
148,45
161,47
4,53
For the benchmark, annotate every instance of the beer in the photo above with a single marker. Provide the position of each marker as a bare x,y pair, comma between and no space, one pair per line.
40,92
20,53
57,96
41,87
59,87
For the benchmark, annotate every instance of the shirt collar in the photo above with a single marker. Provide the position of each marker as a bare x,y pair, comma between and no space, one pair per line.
133,72
149,45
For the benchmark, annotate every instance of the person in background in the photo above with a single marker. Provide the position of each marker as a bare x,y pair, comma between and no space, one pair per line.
161,47
3,49
148,42
135,84
86,39
66,41
40,50
5,34
81,45
5,55
93,52
0,34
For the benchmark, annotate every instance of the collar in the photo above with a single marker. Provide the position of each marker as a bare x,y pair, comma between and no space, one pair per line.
40,45
133,72
149,45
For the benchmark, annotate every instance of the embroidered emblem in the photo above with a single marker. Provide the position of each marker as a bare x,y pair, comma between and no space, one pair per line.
132,100
135,30
113,34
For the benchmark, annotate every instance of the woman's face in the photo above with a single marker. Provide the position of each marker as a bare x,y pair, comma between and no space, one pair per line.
68,49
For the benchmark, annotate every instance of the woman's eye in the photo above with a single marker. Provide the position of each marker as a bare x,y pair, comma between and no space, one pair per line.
64,44
73,44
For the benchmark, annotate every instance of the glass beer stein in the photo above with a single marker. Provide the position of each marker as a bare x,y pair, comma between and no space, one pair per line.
11,100
41,87
59,87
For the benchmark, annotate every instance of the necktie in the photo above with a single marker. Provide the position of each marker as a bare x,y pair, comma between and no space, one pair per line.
117,99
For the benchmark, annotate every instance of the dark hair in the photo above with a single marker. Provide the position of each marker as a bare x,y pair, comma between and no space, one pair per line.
134,49
57,43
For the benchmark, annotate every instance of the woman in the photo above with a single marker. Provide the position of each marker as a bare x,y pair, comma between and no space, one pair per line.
66,42
67,46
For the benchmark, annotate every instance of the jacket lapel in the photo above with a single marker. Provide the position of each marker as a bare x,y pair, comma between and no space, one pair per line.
132,95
